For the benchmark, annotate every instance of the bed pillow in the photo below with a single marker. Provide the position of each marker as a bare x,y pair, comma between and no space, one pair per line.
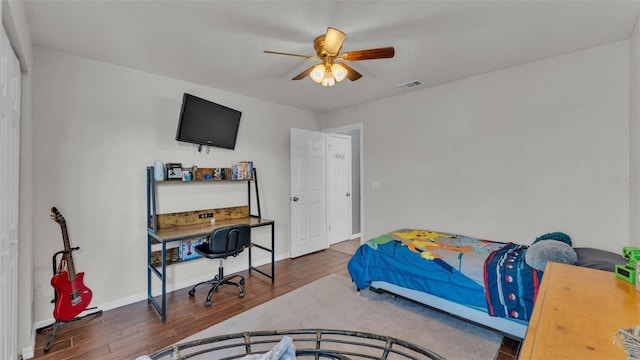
560,236
599,259
540,252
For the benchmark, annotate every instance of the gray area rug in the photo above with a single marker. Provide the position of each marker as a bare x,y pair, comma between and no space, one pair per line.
332,303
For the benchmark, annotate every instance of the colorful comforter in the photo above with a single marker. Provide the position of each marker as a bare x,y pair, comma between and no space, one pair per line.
446,265
511,285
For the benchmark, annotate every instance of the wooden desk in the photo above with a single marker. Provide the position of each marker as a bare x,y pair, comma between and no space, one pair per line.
163,229
170,234
181,232
577,311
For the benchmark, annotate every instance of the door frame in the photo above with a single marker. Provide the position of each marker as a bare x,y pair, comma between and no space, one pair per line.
10,123
360,130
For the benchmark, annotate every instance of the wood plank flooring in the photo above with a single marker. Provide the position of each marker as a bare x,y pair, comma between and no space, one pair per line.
136,329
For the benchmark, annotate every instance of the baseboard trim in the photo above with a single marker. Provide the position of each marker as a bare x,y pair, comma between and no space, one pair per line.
155,292
29,351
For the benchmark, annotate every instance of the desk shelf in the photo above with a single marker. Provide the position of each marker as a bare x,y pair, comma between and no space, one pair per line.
172,228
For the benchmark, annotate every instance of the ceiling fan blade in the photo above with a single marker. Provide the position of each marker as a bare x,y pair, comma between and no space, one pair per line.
371,54
304,74
333,41
351,73
287,54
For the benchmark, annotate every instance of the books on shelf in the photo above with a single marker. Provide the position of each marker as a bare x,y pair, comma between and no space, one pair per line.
188,249
242,170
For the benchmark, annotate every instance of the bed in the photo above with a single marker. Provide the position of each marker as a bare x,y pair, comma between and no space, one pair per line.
482,281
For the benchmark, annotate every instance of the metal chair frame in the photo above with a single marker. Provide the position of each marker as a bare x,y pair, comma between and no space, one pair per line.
207,249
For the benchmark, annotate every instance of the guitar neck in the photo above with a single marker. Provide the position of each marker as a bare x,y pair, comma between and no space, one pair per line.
71,270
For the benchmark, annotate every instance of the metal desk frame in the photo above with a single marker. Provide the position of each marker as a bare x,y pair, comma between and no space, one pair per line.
158,236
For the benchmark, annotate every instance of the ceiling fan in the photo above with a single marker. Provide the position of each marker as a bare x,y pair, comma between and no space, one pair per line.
333,67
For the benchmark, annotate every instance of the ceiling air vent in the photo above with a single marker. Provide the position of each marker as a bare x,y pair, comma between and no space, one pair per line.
410,84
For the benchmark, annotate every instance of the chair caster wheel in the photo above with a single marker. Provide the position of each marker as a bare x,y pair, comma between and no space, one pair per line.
192,292
241,295
208,303
242,281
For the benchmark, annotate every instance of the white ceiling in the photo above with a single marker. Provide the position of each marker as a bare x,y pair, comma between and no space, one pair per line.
220,43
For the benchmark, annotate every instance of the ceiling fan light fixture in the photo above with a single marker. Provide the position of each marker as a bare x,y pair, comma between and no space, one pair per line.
328,49
317,74
328,80
339,72
333,41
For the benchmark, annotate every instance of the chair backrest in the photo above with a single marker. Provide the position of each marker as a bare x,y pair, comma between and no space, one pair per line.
230,240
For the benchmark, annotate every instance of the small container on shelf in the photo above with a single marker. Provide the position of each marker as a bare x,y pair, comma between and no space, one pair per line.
174,171
217,174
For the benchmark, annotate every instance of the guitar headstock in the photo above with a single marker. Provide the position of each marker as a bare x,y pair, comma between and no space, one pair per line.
57,216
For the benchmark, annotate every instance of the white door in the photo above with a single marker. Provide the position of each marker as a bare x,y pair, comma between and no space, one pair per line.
308,191
339,188
9,201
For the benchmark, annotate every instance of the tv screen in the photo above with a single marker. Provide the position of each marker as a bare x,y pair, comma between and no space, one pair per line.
206,123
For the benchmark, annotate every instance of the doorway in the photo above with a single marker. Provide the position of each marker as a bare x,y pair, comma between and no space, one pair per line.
338,188
355,132
321,204
307,191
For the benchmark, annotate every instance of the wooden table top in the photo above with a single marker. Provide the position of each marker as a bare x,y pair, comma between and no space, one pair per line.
577,312
177,232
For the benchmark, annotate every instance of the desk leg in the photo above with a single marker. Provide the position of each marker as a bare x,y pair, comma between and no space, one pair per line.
273,256
163,313
250,265
273,253
160,307
148,268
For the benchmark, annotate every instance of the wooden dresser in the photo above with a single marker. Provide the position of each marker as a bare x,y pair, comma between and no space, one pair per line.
577,311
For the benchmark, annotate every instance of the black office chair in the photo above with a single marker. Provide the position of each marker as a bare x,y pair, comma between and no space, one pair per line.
223,242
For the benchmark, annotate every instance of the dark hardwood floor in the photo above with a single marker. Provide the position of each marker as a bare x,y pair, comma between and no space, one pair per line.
136,329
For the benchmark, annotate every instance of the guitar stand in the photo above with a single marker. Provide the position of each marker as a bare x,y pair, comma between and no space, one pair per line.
54,327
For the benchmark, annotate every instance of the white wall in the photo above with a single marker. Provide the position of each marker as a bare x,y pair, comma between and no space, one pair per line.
96,128
634,136
507,155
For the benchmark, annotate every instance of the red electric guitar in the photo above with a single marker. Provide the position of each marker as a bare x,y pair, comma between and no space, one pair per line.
72,296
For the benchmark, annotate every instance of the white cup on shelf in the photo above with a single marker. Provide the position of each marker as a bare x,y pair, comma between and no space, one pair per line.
158,170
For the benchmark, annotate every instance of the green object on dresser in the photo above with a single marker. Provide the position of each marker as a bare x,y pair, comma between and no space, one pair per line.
627,272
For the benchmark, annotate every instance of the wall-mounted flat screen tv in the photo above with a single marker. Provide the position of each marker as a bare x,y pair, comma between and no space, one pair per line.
204,122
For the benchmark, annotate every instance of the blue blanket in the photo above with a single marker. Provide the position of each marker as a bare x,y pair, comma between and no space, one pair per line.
426,261
453,267
511,285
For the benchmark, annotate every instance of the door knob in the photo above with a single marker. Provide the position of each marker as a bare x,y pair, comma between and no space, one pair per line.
295,198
